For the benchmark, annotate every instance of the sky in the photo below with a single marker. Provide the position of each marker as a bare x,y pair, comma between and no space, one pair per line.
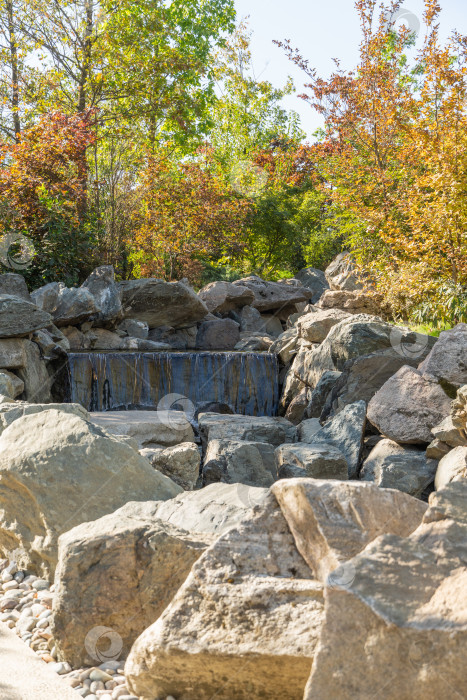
322,31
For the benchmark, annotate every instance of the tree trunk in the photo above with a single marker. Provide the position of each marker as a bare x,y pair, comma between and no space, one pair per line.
14,70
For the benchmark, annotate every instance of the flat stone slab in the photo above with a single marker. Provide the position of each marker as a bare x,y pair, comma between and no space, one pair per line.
24,676
165,428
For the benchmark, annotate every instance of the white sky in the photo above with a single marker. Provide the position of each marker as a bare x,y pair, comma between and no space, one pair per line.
322,31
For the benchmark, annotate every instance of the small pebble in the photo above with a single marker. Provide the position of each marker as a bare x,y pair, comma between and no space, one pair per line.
61,667
99,674
40,584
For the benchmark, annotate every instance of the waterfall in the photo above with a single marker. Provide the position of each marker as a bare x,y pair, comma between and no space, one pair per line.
247,382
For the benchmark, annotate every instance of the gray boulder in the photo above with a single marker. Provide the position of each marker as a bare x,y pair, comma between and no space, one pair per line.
19,317
74,306
221,334
286,345
143,345
449,433
254,343
11,385
452,467
52,343
46,297
318,461
222,297
134,328
315,326
341,274
319,395
119,572
161,303
275,431
14,285
61,471
269,296
437,449
149,428
235,461
350,302
402,467
346,432
180,463
447,362
177,338
408,406
101,284
315,280
34,375
250,320
12,353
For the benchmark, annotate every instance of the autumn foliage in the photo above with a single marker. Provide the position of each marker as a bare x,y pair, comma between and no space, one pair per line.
394,155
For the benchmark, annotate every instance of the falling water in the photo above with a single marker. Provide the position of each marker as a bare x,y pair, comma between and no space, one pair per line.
247,382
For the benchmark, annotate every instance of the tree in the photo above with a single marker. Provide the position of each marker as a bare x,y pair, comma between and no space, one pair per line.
40,195
393,156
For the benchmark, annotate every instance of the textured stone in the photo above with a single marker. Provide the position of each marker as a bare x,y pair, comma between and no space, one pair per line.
447,432
317,461
46,297
134,328
447,362
9,413
180,463
273,295
34,375
402,467
74,306
452,467
341,273
102,339
177,338
221,334
315,326
10,384
52,343
332,521
408,406
160,303
254,583
101,284
119,572
235,461
397,629
346,431
14,285
158,428
250,320
59,471
350,302
320,393
222,297
437,449
275,431
313,279
286,345
12,353
19,317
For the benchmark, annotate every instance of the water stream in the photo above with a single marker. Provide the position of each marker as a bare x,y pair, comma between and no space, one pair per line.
247,382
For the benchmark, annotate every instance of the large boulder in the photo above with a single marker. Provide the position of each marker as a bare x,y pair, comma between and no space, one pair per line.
46,297
362,378
12,353
9,413
269,296
315,326
74,306
447,362
57,471
408,406
222,297
134,328
275,431
118,572
213,509
402,467
342,274
52,343
19,317
149,428
11,385
452,467
14,285
180,463
332,521
219,334
320,393
259,612
34,375
101,284
350,302
397,628
315,280
345,432
237,461
317,461
161,303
